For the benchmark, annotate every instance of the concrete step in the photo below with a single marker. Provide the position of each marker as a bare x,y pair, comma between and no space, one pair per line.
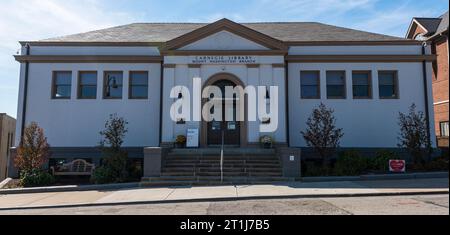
217,174
209,180
226,165
244,157
227,151
217,169
173,162
169,178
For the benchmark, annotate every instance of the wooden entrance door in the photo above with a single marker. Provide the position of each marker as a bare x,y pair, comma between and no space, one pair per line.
229,130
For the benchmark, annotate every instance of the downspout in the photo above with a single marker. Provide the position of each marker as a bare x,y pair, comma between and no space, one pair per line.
286,80
25,92
425,89
161,84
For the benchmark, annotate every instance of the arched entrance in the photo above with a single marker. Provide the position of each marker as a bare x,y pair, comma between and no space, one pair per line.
234,132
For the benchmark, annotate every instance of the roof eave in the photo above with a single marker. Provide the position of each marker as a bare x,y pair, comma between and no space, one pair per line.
87,43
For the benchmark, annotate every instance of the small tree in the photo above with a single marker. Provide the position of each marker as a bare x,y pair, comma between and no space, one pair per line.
114,133
413,134
322,133
114,169
33,151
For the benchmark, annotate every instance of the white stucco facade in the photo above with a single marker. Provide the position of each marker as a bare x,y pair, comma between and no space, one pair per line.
367,123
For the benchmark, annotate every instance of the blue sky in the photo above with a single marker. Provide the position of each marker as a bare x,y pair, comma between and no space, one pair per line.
39,19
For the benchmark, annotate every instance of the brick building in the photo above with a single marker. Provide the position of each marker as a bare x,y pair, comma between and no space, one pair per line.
7,135
435,32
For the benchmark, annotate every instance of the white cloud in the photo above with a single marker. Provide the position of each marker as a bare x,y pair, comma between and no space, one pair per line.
41,19
309,10
394,21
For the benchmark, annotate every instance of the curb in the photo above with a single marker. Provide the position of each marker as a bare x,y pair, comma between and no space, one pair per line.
75,188
5,182
225,199
426,175
72,188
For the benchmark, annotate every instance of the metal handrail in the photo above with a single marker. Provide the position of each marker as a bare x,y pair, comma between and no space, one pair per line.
221,157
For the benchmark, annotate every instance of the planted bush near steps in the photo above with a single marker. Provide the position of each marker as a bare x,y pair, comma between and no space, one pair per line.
350,163
115,167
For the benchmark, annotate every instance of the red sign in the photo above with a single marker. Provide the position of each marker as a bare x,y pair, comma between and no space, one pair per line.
398,166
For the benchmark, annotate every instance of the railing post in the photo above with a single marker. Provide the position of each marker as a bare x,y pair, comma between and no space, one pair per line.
221,157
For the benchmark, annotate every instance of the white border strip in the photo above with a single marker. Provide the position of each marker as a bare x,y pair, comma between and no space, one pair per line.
441,102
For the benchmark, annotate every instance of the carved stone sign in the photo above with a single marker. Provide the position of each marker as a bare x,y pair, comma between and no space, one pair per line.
223,59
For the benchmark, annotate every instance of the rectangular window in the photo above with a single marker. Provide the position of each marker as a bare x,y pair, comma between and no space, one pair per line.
113,85
388,84
444,129
336,85
62,85
362,85
138,85
310,84
87,85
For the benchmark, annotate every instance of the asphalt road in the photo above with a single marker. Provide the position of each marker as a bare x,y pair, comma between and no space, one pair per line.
392,205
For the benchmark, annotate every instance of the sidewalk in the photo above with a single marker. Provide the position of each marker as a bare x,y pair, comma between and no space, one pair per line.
225,193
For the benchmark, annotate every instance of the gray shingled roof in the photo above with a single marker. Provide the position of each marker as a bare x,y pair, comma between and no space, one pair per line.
434,26
430,24
284,31
443,26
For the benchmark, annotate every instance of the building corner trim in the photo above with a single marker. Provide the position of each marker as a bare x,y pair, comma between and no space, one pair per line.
425,88
25,93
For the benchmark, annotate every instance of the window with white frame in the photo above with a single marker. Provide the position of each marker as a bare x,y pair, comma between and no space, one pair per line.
444,129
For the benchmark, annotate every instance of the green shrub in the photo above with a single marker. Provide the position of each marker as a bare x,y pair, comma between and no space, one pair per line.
135,171
312,170
114,170
381,160
350,163
438,164
102,175
36,178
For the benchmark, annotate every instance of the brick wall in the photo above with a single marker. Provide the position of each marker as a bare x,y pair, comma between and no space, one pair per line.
441,84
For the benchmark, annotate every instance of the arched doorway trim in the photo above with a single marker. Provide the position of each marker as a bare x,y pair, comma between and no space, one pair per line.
243,125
